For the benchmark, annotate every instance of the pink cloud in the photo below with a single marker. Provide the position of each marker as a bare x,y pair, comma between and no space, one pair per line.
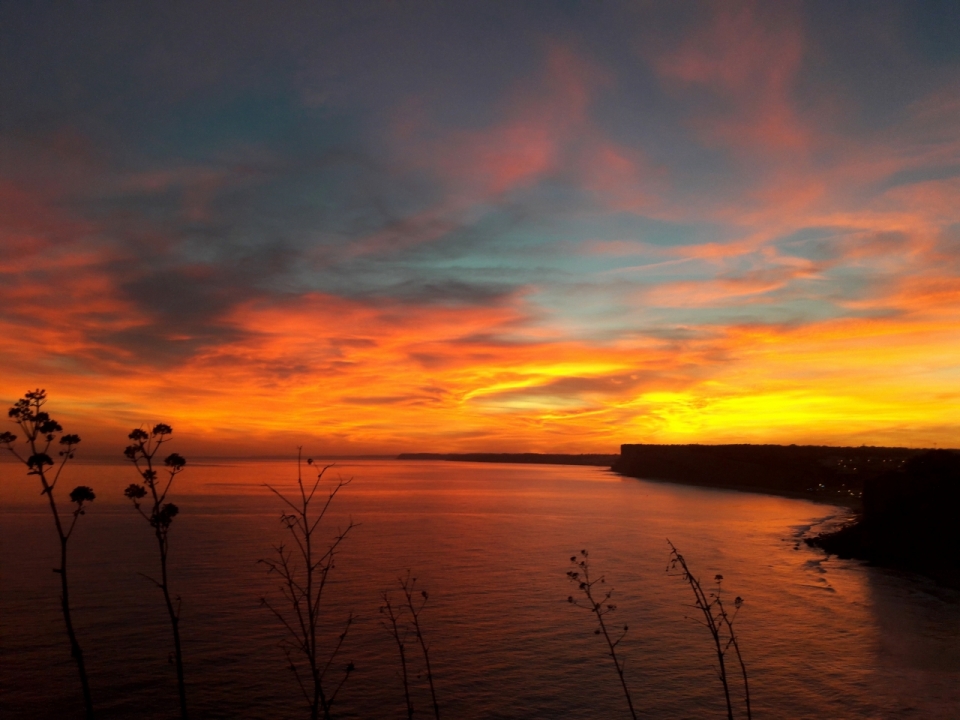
545,130
747,55
542,118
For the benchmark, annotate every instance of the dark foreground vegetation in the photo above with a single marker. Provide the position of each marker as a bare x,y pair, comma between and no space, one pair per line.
150,500
708,605
303,566
40,432
909,520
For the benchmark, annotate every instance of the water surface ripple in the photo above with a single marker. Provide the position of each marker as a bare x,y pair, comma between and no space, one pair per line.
822,638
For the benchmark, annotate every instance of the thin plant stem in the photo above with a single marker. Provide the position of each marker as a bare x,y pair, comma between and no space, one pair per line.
393,615
304,574
160,515
40,431
407,584
716,620
600,608
743,668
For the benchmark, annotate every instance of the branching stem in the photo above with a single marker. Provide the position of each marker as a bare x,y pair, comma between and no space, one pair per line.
718,621
393,616
407,585
160,515
39,433
600,608
302,584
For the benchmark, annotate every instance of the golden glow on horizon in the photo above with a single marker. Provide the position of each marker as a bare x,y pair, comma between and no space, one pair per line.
416,384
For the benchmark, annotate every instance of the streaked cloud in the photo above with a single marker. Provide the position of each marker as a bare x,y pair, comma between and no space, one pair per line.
490,228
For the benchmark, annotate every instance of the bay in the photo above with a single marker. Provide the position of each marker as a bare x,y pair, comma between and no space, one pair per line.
491,544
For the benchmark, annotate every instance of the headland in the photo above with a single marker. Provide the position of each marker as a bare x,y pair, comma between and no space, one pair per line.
816,472
909,519
908,499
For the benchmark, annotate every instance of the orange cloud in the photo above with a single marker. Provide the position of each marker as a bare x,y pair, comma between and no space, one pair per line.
863,229
354,376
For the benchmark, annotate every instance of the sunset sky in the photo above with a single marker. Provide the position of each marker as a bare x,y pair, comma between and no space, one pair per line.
504,226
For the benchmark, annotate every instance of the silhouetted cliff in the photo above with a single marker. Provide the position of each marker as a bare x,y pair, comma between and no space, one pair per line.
834,474
910,519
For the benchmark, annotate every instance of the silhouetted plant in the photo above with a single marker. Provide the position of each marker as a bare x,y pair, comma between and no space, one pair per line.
600,608
393,616
160,515
717,621
40,432
414,604
304,576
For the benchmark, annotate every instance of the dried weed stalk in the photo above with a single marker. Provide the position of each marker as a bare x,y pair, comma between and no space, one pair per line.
159,514
414,604
40,431
718,621
600,606
394,617
304,572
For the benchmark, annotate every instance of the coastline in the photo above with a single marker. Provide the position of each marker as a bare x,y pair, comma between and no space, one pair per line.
829,474
852,504
908,520
613,462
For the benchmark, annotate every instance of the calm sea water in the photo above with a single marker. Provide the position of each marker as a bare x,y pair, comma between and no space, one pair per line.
491,543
